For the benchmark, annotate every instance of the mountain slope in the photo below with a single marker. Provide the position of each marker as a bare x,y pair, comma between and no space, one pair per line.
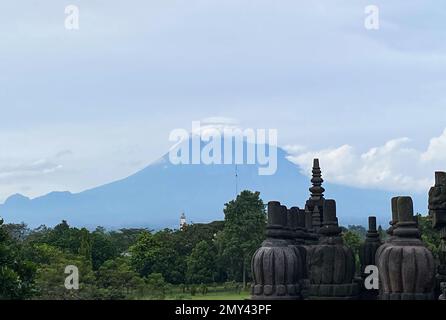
155,197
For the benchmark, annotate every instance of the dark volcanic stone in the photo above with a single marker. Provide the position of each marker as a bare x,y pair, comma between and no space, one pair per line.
277,265
406,266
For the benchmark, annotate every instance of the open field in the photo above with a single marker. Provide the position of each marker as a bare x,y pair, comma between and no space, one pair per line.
214,296
218,292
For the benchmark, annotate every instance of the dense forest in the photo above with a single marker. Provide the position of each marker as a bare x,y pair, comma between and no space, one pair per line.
142,263
130,263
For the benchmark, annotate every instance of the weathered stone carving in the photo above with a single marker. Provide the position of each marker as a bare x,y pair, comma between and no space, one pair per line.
296,222
370,246
367,254
331,264
300,236
437,211
443,291
394,221
304,255
277,265
406,266
316,202
311,236
389,231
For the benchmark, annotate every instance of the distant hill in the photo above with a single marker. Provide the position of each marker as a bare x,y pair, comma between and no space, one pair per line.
155,197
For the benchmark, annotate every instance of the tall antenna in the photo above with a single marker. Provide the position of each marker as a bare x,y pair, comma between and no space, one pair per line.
236,181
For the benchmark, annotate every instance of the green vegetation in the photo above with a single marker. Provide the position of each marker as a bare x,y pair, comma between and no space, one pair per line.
16,273
245,222
191,263
352,239
429,236
201,261
225,291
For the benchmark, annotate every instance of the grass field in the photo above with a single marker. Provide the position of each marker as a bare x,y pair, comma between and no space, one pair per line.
218,292
216,296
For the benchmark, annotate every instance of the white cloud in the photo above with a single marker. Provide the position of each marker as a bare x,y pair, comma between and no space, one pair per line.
38,167
209,125
137,72
75,157
394,166
436,150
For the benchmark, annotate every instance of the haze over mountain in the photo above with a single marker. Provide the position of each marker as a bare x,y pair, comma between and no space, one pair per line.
155,197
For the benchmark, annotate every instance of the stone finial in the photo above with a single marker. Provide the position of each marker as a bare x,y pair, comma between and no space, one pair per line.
331,264
405,209
394,221
293,216
372,224
391,229
277,266
277,226
308,219
394,203
406,225
301,219
296,218
367,255
371,244
297,232
437,201
330,213
311,234
406,265
316,218
437,211
440,178
275,216
317,191
330,222
372,233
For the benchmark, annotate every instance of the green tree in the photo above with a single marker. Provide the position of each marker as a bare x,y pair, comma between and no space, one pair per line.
156,286
97,246
103,248
119,279
155,253
382,233
123,239
50,278
243,233
144,253
64,237
359,230
201,263
16,273
85,244
17,231
429,235
353,240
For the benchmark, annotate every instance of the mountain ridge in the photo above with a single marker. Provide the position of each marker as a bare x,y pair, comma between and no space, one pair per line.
156,195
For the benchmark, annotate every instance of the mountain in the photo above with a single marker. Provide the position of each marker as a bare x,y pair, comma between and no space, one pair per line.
155,197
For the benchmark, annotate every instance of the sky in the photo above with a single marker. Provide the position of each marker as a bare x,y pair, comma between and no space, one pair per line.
80,108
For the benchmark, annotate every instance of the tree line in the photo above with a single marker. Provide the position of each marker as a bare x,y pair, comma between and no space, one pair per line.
138,262
130,263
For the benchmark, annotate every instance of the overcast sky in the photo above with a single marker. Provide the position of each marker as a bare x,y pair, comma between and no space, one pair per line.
80,108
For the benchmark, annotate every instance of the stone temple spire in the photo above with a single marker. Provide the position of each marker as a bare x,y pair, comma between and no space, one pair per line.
315,203
317,191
